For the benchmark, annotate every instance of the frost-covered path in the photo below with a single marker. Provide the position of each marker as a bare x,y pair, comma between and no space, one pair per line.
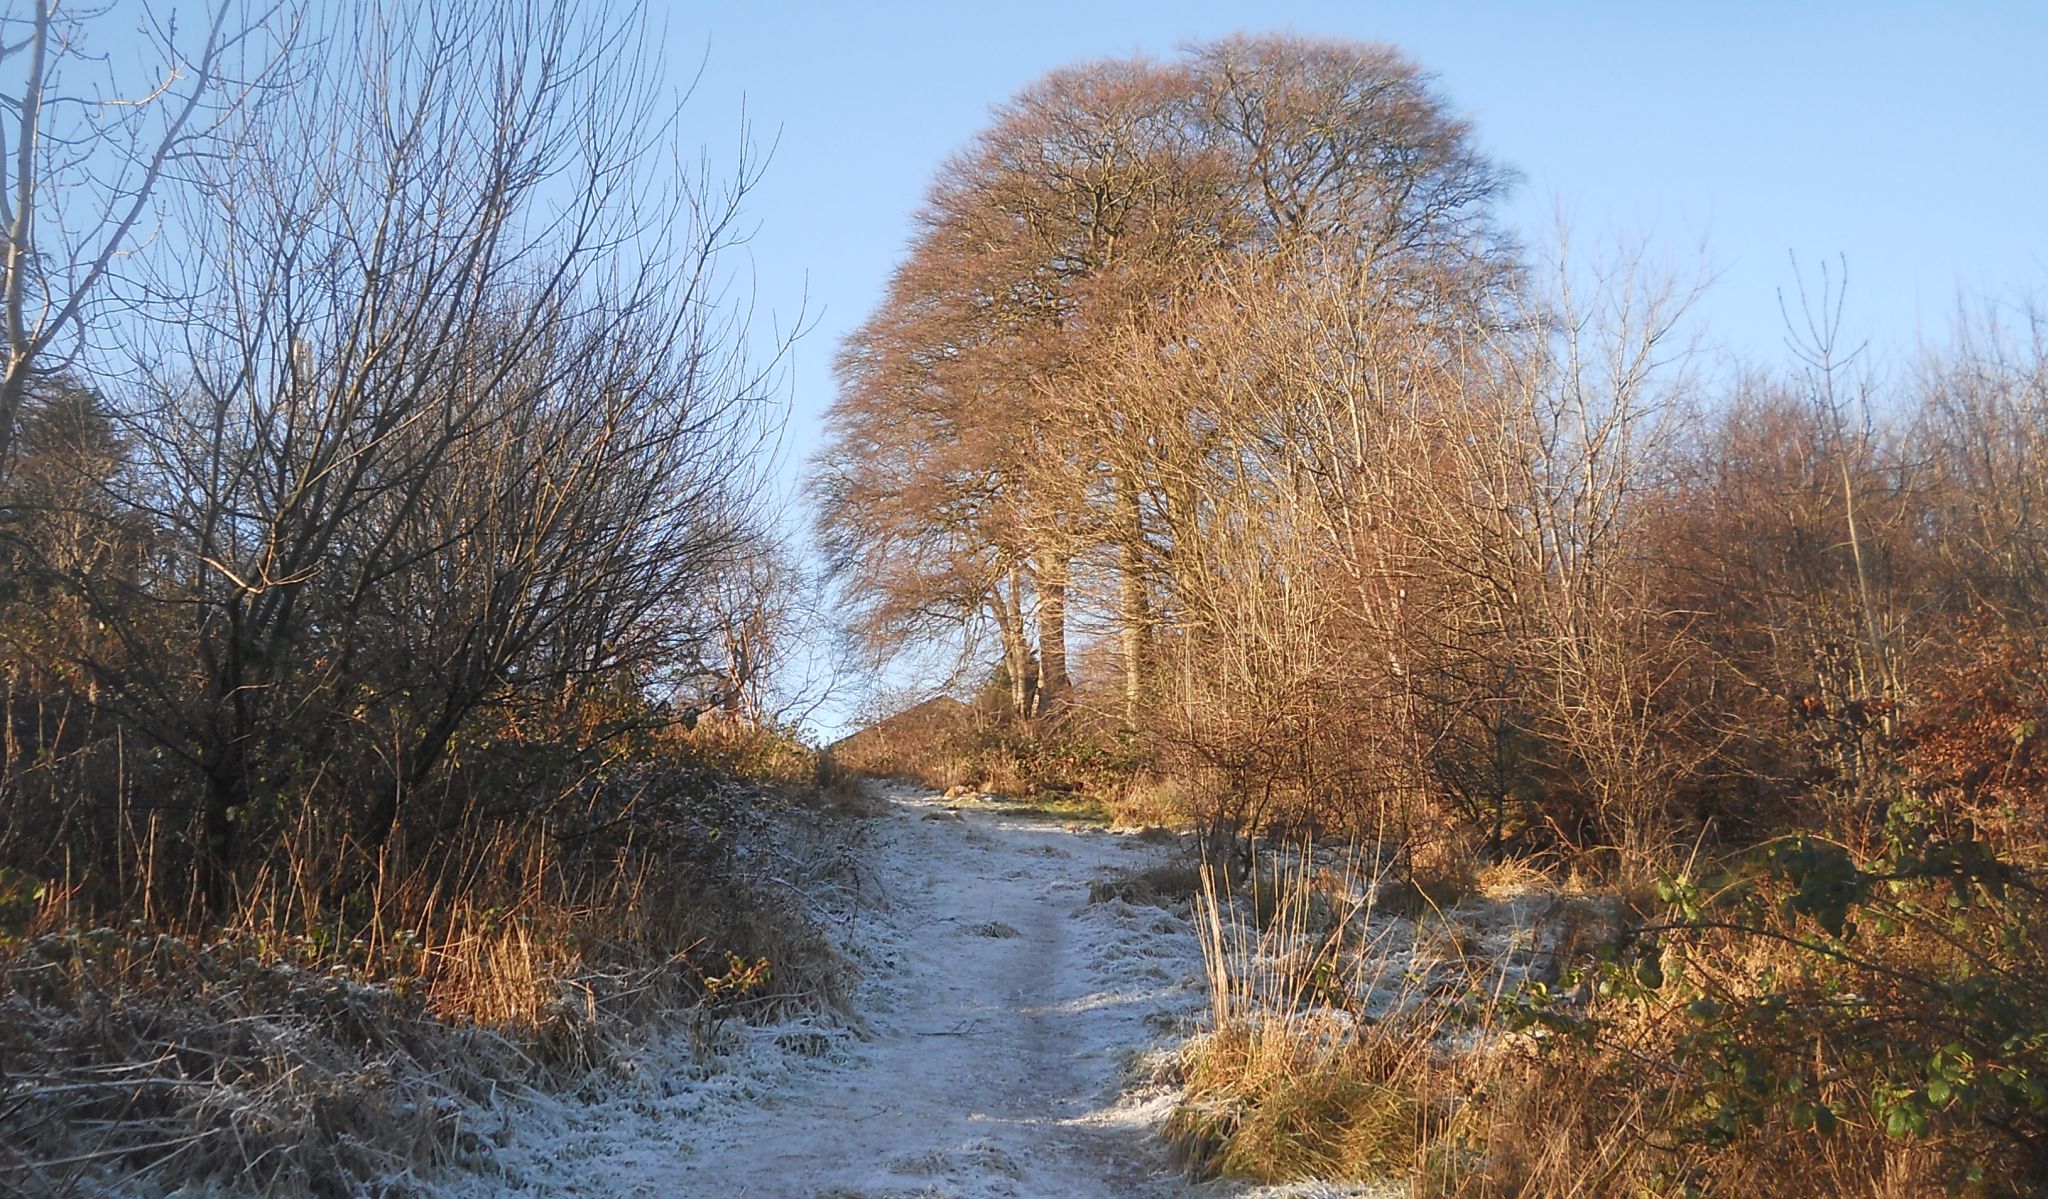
1002,1008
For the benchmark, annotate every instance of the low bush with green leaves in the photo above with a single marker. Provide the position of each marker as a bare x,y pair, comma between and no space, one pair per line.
1813,996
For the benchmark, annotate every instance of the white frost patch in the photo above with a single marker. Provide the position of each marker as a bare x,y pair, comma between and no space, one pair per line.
627,1136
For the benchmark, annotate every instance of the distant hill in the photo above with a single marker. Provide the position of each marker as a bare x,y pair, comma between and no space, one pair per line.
924,742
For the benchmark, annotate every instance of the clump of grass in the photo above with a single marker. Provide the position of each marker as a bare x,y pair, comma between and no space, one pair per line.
1443,877
1510,877
138,1053
1154,800
832,777
1328,1062
850,802
1277,1104
1165,885
739,748
1297,1081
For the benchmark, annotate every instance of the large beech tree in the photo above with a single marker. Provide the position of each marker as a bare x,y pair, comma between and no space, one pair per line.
997,458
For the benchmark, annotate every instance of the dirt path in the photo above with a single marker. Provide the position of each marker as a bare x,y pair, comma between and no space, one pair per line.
1009,1028
1003,1012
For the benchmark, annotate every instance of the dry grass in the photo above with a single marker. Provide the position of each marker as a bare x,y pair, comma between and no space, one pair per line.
1290,1085
132,1054
1281,1103
301,1052
1355,1041
1365,1045
1164,801
737,748
1442,875
930,743
1511,877
1165,885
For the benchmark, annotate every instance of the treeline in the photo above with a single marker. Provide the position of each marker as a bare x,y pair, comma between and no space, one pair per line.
1215,396
380,461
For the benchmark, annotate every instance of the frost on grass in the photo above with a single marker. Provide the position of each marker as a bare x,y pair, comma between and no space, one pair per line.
134,1064
1010,1032
627,1135
1353,1019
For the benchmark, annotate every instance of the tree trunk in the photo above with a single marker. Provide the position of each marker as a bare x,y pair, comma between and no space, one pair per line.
1018,658
226,791
20,247
1132,606
1009,611
1052,634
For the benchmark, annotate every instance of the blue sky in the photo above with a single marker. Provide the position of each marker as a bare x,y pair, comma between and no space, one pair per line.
1911,139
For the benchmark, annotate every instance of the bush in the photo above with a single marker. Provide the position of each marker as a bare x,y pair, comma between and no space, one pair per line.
1851,1011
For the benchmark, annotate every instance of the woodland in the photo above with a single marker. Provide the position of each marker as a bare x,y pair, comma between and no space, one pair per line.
393,605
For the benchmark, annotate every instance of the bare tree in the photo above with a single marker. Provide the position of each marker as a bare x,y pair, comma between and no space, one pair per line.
466,418
85,160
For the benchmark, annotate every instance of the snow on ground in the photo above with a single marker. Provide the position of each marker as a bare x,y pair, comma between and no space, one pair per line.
1006,1034
1004,1009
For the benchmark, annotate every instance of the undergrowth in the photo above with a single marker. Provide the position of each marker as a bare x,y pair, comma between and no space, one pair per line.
1815,1022
313,1047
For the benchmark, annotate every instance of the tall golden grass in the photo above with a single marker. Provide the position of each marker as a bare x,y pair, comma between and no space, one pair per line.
308,1047
1326,1059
